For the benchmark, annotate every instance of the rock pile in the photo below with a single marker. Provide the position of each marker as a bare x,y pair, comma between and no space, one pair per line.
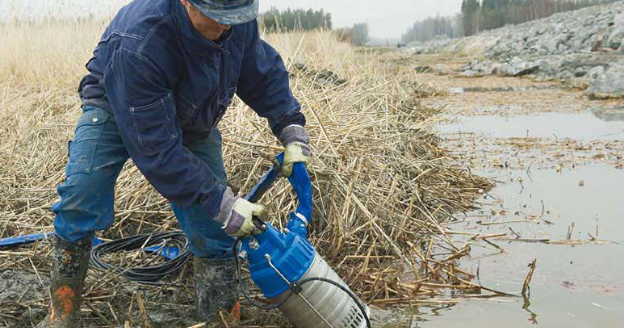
432,46
609,83
583,30
583,47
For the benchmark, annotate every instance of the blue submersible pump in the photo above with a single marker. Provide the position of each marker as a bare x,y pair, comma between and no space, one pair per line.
289,271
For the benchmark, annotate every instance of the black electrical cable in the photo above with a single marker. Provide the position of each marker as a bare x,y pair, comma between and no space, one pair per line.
153,274
150,275
300,283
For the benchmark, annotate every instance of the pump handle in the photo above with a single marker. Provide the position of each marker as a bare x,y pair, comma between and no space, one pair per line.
260,225
300,181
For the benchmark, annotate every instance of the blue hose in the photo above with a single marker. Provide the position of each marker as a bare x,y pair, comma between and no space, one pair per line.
168,252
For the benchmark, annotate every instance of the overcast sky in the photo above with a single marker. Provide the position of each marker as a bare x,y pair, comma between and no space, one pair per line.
385,18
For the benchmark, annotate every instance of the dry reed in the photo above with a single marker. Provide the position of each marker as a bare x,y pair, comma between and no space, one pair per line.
382,186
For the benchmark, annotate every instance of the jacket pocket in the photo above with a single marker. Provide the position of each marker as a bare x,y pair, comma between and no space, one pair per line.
83,149
153,124
185,108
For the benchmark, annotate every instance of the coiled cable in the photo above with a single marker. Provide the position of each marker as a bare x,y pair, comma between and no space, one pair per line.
150,275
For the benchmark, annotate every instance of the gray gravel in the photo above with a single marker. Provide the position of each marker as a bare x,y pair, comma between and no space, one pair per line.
583,47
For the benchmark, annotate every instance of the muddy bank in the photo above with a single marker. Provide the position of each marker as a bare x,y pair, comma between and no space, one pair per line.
22,295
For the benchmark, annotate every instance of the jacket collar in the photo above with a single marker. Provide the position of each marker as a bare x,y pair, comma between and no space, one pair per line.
191,39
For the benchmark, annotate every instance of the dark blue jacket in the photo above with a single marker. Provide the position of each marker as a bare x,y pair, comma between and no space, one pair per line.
167,86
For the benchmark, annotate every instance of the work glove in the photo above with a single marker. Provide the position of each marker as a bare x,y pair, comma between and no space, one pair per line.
297,143
236,215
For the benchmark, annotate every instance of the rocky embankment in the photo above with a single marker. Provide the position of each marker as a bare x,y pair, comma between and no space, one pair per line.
584,48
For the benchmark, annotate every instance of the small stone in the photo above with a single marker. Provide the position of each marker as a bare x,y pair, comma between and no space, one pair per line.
610,84
506,70
616,37
469,73
526,71
516,61
595,72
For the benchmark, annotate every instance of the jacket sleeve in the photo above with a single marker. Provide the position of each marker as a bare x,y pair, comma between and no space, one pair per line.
144,108
264,84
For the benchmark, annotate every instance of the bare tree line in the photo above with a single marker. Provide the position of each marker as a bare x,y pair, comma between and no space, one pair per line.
295,19
432,27
304,20
358,34
481,15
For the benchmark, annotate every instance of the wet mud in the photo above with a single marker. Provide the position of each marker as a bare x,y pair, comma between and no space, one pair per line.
23,293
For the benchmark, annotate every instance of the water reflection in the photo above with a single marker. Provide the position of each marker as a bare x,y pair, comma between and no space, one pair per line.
592,125
500,89
609,114
573,285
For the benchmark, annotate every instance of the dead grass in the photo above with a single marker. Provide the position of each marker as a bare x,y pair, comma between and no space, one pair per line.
382,186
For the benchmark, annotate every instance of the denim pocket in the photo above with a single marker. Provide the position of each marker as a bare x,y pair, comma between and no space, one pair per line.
185,108
88,133
153,125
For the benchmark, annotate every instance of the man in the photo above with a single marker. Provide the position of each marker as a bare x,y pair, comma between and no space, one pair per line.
160,80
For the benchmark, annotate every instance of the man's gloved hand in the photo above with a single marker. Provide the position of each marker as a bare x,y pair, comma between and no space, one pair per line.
296,141
236,215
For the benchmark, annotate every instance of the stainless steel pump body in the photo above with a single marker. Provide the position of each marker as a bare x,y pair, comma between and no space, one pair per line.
320,304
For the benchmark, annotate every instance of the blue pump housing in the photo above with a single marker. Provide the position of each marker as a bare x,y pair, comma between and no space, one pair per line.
289,251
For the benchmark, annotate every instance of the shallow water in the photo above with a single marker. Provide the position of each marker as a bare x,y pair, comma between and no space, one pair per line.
579,285
573,286
584,126
498,89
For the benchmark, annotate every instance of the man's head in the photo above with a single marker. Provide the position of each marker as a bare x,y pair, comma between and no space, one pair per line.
212,17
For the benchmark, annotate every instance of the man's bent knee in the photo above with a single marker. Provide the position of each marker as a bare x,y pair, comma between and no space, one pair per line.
86,206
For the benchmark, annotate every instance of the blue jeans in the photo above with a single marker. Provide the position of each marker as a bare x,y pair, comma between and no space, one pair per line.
96,157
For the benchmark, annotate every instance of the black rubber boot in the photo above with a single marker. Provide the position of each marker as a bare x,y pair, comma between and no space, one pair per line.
215,288
69,268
